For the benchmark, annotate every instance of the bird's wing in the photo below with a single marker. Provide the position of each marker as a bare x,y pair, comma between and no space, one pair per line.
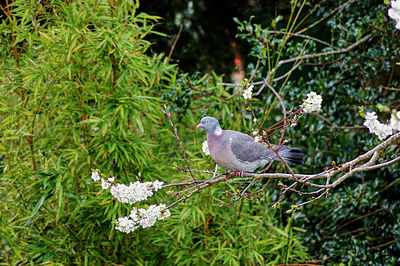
245,149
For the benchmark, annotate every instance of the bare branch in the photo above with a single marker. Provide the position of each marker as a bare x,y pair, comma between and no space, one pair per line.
308,56
305,37
179,141
327,15
175,41
283,109
289,72
352,166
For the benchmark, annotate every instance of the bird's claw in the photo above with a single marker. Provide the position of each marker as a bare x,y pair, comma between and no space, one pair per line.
239,173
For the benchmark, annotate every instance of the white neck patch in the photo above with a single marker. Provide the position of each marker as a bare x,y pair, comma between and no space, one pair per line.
218,131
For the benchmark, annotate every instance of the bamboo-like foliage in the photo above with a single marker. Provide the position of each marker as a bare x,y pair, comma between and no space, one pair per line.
81,90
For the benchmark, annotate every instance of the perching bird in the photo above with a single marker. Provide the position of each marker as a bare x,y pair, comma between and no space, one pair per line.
239,152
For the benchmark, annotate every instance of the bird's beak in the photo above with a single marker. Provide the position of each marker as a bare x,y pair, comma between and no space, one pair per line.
200,125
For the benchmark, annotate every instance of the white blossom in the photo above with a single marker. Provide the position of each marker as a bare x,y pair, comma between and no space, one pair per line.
384,131
126,225
394,12
255,132
142,217
255,120
135,192
371,116
157,185
375,127
312,103
111,179
371,121
257,139
247,93
205,148
105,184
95,175
395,120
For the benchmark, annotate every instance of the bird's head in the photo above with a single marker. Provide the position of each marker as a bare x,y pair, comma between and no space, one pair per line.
210,124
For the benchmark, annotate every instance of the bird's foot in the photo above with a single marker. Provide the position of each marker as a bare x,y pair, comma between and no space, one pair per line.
239,173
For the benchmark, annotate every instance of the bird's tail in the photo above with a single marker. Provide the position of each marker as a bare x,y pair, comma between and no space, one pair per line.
291,155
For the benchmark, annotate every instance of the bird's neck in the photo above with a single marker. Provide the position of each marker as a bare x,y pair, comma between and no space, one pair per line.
218,131
214,142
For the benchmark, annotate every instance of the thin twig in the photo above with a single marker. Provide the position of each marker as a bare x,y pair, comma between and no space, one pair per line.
391,89
179,141
304,36
289,72
326,16
283,109
255,70
308,56
175,41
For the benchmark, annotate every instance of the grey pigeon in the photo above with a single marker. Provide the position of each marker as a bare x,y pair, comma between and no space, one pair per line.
239,152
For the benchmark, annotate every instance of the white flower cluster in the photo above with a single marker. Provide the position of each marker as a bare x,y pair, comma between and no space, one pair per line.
247,93
380,129
95,175
142,217
257,139
394,12
135,192
395,120
205,148
106,183
131,194
312,103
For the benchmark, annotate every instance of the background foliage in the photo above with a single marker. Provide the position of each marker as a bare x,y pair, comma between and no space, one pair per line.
82,87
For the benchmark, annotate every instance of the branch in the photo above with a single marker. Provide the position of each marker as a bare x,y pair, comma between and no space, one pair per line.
327,15
308,56
179,141
296,59
305,37
362,163
352,166
175,41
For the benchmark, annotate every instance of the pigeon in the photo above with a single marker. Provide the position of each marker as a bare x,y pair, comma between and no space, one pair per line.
240,152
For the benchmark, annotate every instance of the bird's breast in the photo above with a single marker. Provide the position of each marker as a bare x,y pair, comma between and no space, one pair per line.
221,152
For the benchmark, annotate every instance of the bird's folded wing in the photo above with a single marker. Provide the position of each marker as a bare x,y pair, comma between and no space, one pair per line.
245,149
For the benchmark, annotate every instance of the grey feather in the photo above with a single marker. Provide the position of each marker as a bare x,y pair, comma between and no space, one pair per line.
239,152
245,148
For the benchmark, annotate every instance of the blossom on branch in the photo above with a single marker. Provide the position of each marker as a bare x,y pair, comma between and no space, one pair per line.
95,175
375,127
205,148
312,103
394,12
106,183
247,93
142,217
395,120
131,194
135,192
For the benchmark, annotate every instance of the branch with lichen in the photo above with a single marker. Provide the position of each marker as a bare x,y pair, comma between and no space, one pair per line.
333,176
